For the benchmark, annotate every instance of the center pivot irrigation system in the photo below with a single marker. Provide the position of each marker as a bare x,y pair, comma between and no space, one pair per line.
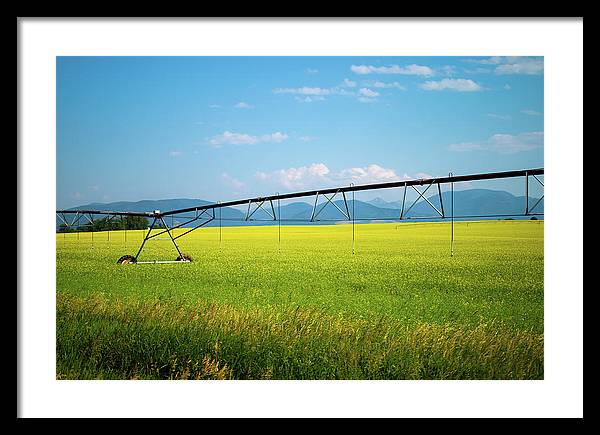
204,214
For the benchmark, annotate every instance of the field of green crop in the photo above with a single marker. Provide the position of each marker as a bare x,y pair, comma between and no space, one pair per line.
249,307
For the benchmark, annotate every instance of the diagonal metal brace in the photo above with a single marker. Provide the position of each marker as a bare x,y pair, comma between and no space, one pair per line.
259,205
61,216
421,195
195,228
145,239
90,218
329,200
171,236
76,219
187,222
539,200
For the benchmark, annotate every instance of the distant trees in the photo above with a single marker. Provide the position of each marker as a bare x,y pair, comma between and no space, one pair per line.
62,228
108,224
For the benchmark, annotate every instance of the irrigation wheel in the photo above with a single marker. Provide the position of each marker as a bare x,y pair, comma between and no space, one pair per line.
184,257
126,259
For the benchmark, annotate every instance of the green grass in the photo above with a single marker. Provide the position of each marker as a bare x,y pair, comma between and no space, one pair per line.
249,308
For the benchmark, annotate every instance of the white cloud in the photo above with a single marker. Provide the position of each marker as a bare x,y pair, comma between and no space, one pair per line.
274,137
307,94
311,71
243,105
229,138
383,85
423,175
527,66
366,92
495,115
297,178
466,146
369,174
318,175
175,153
494,60
318,169
393,69
366,95
307,138
305,90
504,143
309,99
507,87
448,70
460,85
234,182
361,69
513,64
531,112
214,106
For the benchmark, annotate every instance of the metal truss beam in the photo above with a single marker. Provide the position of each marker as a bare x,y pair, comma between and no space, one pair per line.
528,209
208,210
351,188
259,205
422,195
329,200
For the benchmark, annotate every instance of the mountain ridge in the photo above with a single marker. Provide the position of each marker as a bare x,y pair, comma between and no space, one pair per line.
469,202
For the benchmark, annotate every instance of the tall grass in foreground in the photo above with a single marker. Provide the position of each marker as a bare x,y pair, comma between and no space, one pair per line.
101,338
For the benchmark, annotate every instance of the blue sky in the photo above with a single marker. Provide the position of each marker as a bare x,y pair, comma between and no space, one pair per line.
222,128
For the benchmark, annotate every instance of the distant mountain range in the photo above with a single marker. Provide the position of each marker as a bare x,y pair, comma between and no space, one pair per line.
472,202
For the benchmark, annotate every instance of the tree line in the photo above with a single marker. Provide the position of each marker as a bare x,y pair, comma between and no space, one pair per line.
108,224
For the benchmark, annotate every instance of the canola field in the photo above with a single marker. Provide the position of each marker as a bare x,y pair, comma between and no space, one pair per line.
252,307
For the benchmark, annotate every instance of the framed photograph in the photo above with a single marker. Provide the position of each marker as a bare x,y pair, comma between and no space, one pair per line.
323,222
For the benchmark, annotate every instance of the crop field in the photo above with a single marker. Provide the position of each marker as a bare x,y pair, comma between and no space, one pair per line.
249,307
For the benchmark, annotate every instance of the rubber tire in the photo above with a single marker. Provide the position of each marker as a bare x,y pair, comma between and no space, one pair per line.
184,257
126,259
